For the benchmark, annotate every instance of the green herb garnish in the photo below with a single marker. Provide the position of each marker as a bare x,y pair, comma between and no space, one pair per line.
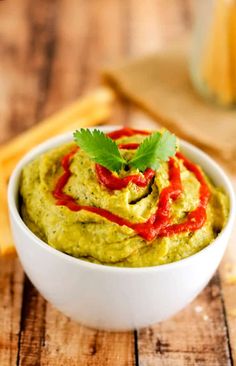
100,148
153,150
103,150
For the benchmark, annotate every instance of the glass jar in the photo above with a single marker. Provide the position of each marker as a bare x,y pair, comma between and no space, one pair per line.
213,57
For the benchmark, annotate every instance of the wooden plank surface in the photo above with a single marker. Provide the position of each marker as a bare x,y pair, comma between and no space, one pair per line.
196,336
11,288
50,53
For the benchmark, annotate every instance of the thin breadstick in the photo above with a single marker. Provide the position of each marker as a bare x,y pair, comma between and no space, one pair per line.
217,63
224,74
80,110
88,111
233,44
100,114
6,240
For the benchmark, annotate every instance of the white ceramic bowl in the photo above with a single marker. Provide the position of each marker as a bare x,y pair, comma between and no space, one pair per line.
115,298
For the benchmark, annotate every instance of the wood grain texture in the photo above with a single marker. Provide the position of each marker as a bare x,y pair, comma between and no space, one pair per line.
11,285
228,267
51,53
83,346
32,327
192,337
26,69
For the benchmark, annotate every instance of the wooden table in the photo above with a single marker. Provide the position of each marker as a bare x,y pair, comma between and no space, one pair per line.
50,53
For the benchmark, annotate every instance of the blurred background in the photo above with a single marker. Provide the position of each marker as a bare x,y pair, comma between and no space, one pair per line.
53,51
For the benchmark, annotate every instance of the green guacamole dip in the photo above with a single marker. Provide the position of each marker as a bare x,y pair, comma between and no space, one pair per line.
91,237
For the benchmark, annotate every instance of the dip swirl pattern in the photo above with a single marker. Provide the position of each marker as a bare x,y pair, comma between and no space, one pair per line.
132,219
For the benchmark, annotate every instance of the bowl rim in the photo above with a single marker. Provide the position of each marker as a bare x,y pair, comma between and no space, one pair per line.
13,187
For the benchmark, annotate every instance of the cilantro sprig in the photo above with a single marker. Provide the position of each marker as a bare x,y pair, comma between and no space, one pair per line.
100,148
153,150
103,150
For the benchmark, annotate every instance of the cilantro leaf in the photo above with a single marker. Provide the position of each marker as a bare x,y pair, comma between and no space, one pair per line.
154,149
100,148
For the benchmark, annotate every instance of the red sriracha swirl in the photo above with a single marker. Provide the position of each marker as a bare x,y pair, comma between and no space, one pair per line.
110,181
159,224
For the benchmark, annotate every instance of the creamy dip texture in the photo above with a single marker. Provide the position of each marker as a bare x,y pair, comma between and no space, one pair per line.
95,238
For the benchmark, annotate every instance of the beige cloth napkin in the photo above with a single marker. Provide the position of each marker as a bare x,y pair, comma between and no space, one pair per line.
160,85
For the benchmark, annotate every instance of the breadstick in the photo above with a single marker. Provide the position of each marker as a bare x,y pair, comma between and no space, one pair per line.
217,62
8,162
88,111
6,241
